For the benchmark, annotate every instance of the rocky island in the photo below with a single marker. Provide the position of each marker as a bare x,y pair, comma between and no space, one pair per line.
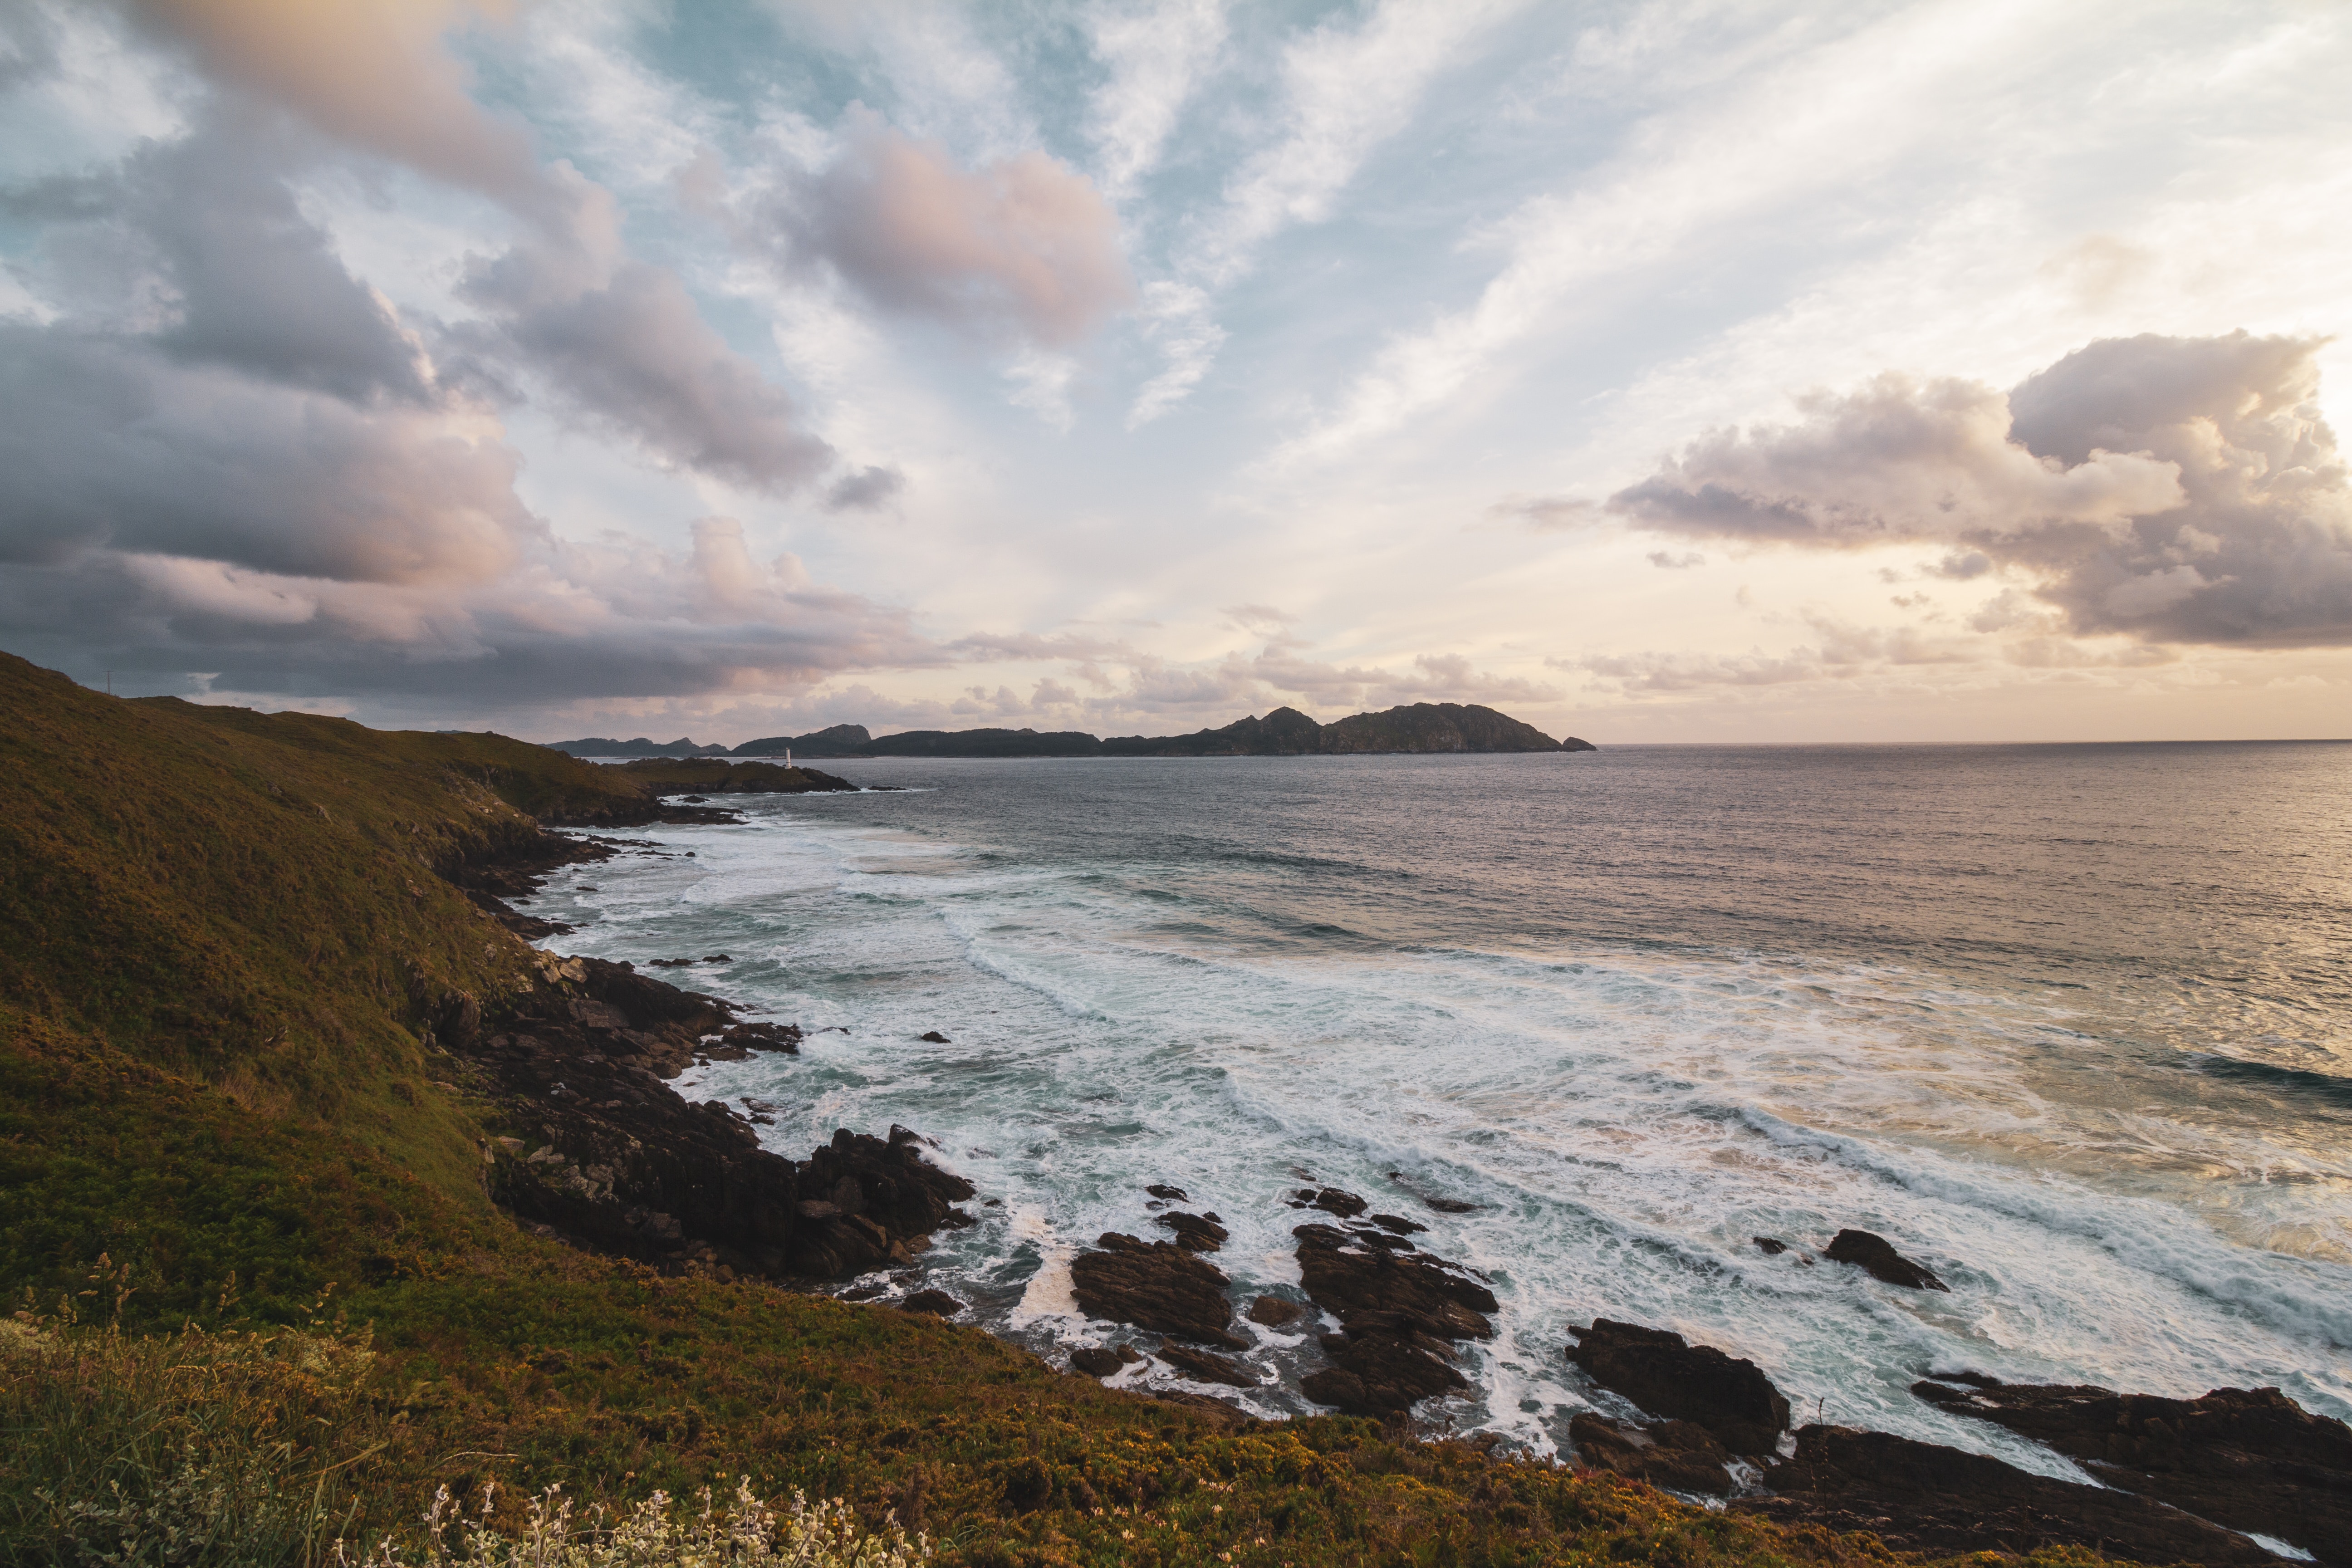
1418,727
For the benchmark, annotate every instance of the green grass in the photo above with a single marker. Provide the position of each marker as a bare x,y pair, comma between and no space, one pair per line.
222,945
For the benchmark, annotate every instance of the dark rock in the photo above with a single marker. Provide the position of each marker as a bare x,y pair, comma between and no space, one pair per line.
1155,1285
886,1195
1330,1200
716,958
2252,1459
1680,1456
1398,1313
1274,1311
1451,1205
1173,1194
1349,1281
1379,1374
933,1037
1770,1247
1207,1368
1398,1223
1194,1231
1940,1503
1129,1354
937,1303
1873,1253
668,962
1666,1376
1095,1361
747,1038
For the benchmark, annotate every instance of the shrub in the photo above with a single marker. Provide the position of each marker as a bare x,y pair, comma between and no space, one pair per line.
748,1533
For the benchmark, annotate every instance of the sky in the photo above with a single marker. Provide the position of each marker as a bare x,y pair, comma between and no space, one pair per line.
1661,370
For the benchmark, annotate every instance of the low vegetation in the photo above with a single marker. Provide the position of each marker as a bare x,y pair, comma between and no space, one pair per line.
269,1314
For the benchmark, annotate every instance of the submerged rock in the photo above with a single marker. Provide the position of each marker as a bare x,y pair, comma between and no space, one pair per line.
1666,1376
1274,1311
1878,1256
2252,1459
1939,1502
1155,1285
1195,1232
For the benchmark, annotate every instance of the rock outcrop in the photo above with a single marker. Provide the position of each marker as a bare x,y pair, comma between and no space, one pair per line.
1399,1311
2252,1459
1876,1256
1938,1502
603,1152
1666,1376
1158,1285
1679,1456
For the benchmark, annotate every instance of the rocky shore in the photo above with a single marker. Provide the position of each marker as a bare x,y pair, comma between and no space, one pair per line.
603,1152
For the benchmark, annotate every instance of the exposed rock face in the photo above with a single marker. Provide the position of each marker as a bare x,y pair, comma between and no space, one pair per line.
1155,1285
2252,1459
1096,1361
865,1198
1874,1254
1938,1501
1397,1310
934,1303
1680,1456
1208,1367
609,1156
1666,1376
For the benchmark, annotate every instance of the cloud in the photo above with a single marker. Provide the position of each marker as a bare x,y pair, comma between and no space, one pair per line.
1023,247
1842,652
1156,55
869,489
636,356
1263,619
1349,91
2174,489
110,444
616,619
614,339
373,75
1547,514
1668,562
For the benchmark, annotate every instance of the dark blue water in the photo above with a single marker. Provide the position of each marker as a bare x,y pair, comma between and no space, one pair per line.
2070,1022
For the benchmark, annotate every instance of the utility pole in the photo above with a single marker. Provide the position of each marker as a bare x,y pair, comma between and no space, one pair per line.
109,683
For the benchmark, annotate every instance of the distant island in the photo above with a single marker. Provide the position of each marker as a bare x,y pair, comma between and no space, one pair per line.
1416,728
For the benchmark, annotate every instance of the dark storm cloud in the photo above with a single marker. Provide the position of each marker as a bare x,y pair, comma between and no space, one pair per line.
2176,490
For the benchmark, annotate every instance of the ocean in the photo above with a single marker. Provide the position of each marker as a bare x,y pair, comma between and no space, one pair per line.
2071,1025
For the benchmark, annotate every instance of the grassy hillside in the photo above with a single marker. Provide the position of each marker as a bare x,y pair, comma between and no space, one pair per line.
226,944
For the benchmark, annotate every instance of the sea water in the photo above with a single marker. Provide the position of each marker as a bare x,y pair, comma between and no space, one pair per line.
2072,1024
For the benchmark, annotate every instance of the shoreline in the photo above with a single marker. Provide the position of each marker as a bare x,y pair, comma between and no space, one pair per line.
1389,1352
